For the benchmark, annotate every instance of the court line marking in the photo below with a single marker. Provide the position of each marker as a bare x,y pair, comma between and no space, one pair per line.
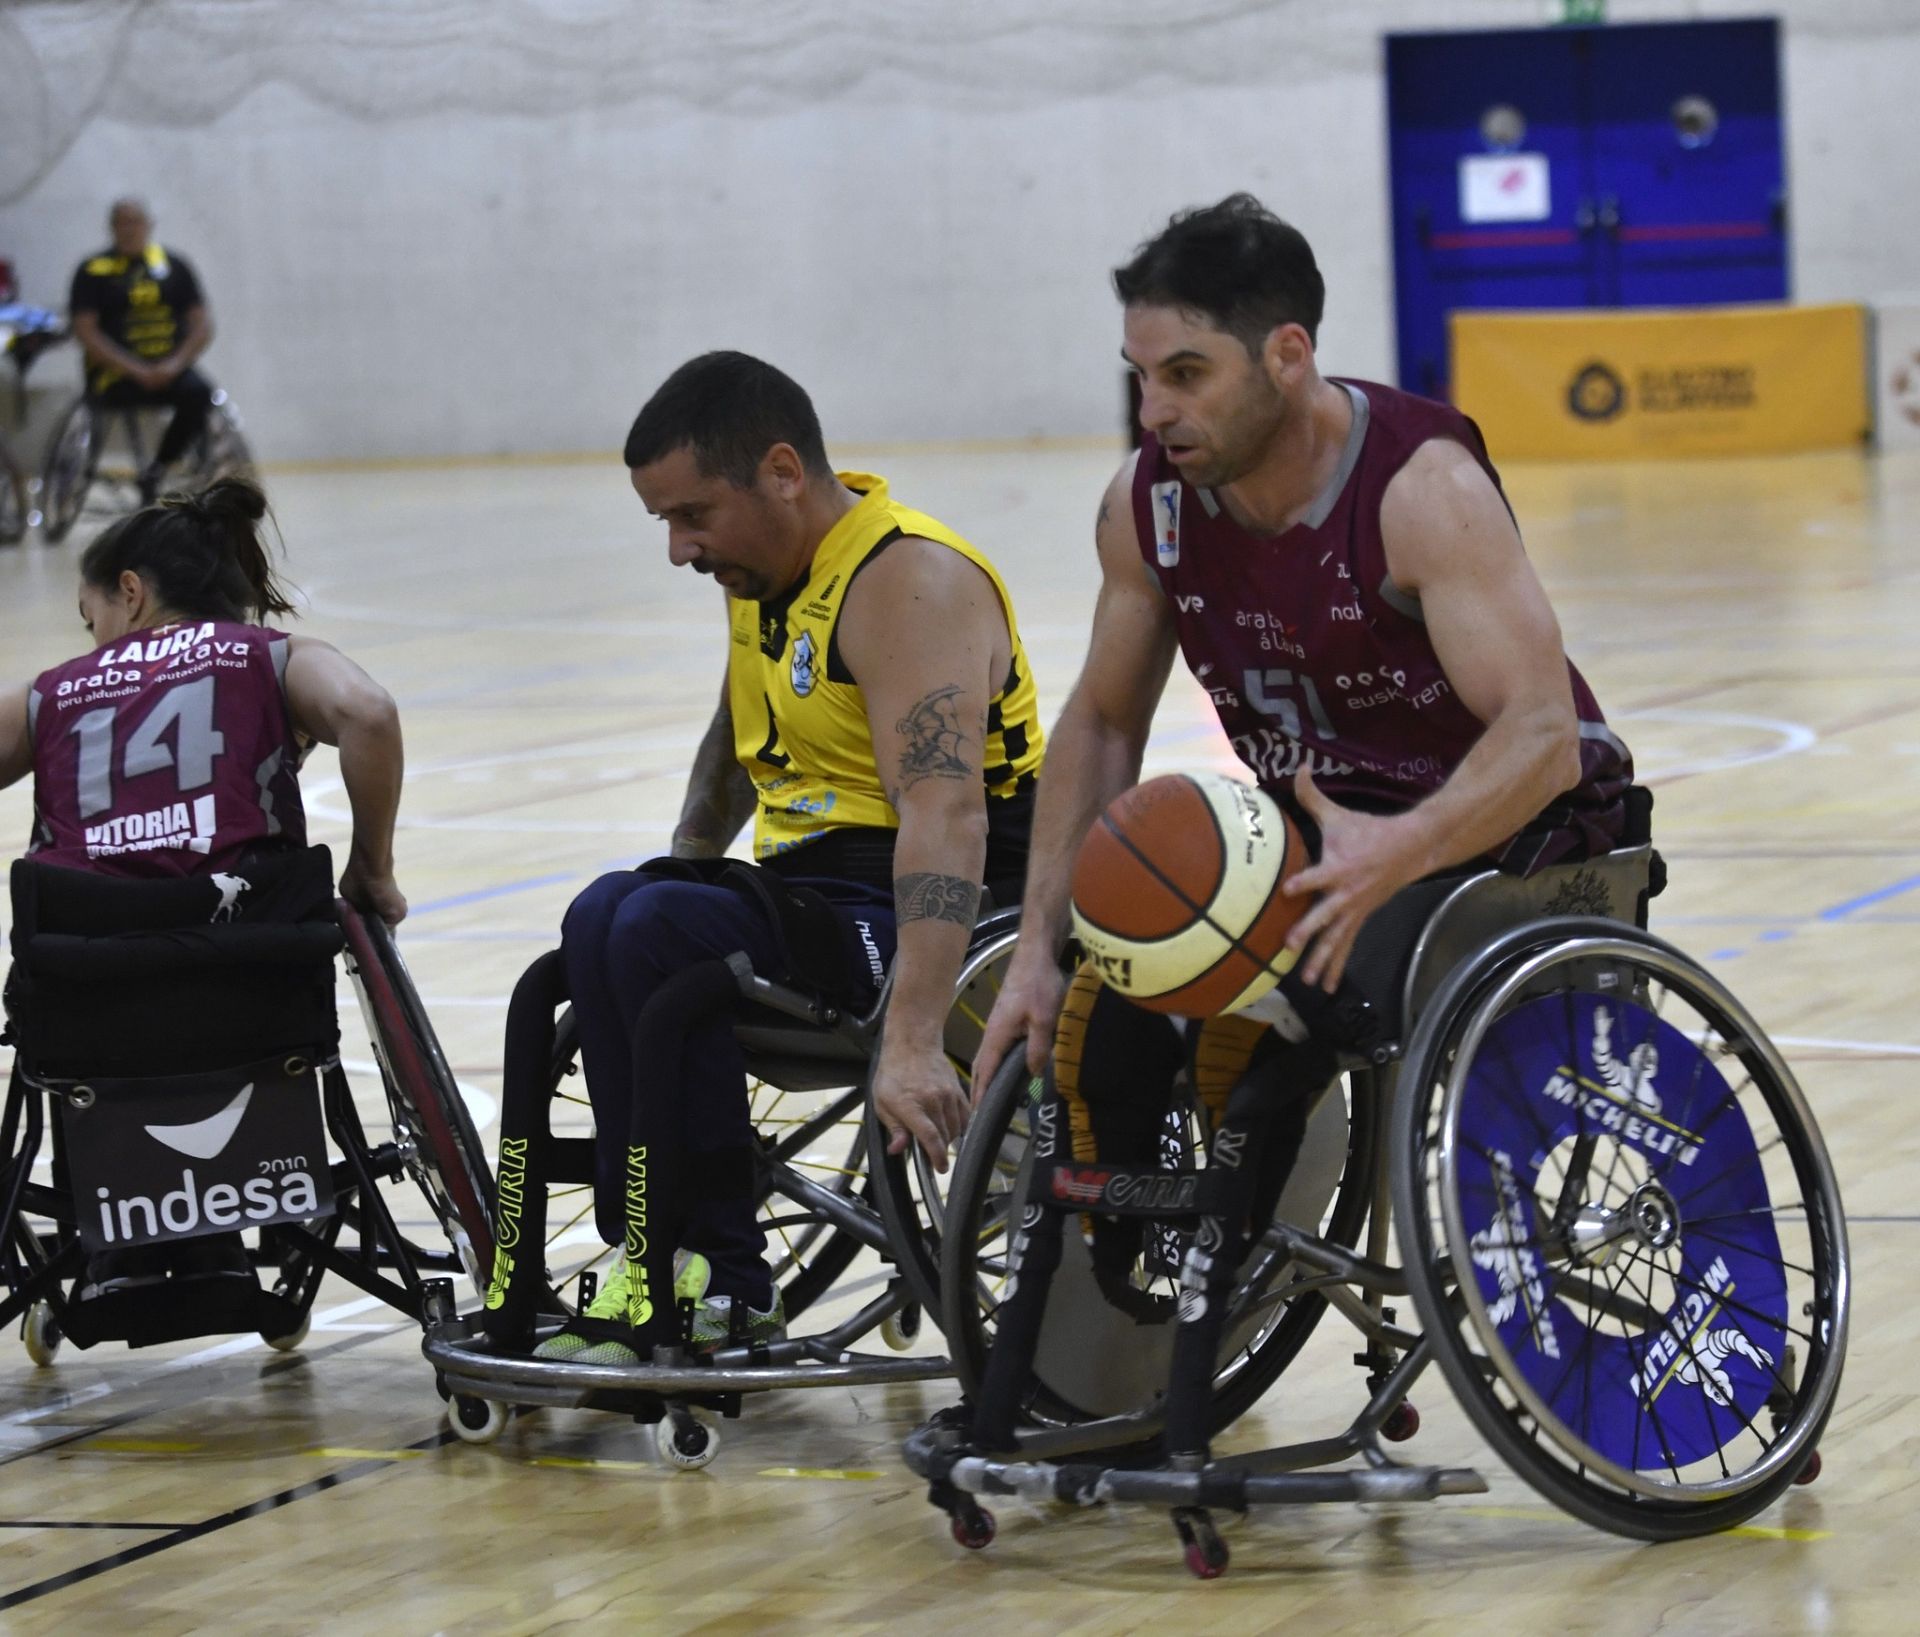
1795,737
1881,1048
484,1108
209,1526
14,1446
64,1523
480,895
1839,912
1751,1531
846,1473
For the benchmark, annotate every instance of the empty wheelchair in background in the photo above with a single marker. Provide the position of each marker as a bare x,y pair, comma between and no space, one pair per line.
1617,1224
854,1233
185,1034
96,454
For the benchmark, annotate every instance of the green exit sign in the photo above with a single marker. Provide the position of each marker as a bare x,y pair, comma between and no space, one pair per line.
1583,11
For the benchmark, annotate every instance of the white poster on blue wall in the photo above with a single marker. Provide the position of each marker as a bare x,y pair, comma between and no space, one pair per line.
1505,187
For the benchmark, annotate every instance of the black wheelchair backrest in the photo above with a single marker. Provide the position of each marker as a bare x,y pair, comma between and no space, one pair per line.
116,976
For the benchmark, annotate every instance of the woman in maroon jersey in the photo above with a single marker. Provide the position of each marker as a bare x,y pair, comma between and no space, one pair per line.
173,747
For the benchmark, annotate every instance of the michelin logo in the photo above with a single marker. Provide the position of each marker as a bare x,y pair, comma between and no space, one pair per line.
1632,1081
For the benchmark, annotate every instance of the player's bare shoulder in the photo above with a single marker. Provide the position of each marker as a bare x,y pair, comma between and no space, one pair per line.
1116,534
915,597
1440,505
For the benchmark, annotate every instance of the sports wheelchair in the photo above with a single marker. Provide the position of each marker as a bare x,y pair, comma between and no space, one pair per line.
826,1189
1617,1224
185,1032
74,465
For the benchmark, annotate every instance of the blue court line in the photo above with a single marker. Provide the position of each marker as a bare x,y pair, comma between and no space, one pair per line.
1833,912
1840,912
484,893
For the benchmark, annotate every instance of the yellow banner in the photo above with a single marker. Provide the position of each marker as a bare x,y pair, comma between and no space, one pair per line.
1640,383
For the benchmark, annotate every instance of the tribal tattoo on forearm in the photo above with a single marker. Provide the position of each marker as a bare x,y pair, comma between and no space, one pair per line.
924,896
936,740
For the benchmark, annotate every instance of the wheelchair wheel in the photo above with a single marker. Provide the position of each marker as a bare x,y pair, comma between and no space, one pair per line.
13,498
67,473
291,1341
1097,1356
1621,1229
821,1136
441,1149
912,1195
476,1420
40,1334
220,451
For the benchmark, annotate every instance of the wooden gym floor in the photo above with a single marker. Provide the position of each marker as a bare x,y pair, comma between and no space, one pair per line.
1748,626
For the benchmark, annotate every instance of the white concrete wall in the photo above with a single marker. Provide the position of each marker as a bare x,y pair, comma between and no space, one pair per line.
453,228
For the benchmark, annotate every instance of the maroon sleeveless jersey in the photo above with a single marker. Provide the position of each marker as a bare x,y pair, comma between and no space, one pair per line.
166,752
1315,658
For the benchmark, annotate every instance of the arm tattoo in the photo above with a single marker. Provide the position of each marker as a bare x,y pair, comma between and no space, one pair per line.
1106,511
935,739
924,896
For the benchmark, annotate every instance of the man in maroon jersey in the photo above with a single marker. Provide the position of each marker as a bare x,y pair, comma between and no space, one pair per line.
1338,566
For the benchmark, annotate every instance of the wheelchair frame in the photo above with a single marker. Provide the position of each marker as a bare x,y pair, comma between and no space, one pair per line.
433,1142
827,1050
71,468
1468,959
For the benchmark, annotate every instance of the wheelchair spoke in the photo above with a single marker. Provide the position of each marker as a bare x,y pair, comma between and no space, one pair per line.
572,1222
821,1165
1735,1244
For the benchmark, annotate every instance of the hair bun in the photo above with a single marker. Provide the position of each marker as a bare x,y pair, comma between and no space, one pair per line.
236,498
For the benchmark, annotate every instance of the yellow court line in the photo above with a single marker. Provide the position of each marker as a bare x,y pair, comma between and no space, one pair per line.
140,1446
330,1453
1752,1531
848,1473
576,1463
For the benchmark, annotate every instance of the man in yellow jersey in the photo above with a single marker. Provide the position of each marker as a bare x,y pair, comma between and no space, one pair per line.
879,724
138,314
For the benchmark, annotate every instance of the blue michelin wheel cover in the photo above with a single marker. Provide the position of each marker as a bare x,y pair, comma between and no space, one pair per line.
1653,1399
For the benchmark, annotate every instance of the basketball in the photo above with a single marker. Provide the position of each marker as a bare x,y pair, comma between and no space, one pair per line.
1177,894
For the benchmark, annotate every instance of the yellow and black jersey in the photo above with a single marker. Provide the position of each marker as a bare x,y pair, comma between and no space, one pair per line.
800,720
142,302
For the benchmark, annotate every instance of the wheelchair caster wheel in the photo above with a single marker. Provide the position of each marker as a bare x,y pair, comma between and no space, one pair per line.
900,1330
293,1338
476,1420
1206,1552
973,1528
1401,1425
1806,1475
1207,1560
40,1334
685,1442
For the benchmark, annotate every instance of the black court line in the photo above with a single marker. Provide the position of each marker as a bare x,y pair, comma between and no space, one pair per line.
66,1523
226,1520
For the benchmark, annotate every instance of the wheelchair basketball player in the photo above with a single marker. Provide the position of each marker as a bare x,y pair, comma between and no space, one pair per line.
171,751
878,722
1337,565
